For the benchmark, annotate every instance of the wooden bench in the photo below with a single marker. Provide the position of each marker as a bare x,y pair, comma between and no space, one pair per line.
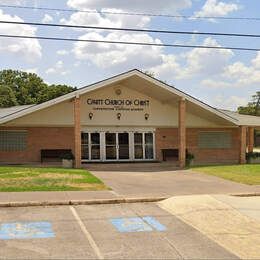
53,153
170,154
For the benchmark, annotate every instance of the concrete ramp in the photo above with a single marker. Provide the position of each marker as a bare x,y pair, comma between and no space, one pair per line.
226,225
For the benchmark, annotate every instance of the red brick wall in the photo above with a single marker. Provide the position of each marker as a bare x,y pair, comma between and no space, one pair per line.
63,138
168,138
39,138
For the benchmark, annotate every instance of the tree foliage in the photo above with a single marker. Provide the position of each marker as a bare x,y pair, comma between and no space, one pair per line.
22,88
253,107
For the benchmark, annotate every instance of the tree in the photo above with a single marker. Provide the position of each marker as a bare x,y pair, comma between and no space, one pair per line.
28,88
7,97
149,73
253,107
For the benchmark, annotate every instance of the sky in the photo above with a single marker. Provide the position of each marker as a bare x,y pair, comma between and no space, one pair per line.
222,78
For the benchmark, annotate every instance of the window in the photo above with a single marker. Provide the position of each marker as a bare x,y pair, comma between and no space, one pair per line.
214,140
138,145
95,146
148,145
84,146
13,140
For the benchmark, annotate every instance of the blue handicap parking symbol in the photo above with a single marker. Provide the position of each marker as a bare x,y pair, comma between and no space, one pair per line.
26,230
137,224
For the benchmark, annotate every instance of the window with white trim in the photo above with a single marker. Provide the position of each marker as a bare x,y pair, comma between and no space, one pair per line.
215,140
13,140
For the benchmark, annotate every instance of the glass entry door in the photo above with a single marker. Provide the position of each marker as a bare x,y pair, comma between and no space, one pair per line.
123,146
117,146
111,146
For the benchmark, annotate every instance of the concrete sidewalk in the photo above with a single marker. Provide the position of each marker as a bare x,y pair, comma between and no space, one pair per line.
164,182
51,198
133,186
231,222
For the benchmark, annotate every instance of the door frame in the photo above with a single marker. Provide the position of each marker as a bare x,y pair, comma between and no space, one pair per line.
117,147
117,130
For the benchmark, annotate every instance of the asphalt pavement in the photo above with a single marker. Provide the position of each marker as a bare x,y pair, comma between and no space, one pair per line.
116,231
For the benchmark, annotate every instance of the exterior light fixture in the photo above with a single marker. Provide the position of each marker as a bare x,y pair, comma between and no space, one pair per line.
90,115
146,116
118,91
118,115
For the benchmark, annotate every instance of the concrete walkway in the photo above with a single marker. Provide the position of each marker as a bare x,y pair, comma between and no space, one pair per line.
163,181
52,196
226,220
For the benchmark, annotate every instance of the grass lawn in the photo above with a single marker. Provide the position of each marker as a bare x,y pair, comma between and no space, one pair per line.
246,173
47,179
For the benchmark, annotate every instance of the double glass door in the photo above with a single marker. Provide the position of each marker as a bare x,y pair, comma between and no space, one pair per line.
117,146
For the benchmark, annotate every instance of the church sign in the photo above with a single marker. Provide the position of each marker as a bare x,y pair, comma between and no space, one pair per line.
119,104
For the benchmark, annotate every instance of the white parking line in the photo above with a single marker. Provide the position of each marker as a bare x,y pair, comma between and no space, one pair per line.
87,234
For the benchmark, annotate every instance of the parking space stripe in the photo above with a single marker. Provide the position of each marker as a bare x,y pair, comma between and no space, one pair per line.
87,234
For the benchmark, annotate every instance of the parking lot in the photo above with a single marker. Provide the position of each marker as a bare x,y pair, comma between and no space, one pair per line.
141,230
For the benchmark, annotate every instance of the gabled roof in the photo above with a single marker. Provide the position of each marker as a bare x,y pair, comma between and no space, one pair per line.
103,83
11,110
247,120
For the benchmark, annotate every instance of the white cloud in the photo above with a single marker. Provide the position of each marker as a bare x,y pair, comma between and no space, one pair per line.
133,5
62,52
14,2
230,103
242,74
31,70
58,68
216,83
30,49
256,61
59,64
217,8
50,71
77,64
109,20
197,62
169,67
118,55
236,75
206,61
47,18
96,19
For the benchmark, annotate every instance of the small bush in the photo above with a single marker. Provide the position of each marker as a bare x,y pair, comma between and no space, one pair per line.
189,158
68,156
252,155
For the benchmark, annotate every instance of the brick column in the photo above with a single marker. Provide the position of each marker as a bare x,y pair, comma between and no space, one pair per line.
77,133
182,133
250,139
242,140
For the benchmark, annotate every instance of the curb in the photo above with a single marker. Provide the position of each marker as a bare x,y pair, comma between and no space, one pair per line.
78,202
246,194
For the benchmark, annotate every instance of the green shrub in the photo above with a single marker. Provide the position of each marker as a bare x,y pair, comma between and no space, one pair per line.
189,158
252,155
68,156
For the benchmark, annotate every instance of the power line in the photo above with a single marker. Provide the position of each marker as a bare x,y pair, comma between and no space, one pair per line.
129,13
130,43
131,29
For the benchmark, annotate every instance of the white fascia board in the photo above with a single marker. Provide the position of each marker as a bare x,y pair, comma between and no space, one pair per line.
65,97
36,108
109,81
189,98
